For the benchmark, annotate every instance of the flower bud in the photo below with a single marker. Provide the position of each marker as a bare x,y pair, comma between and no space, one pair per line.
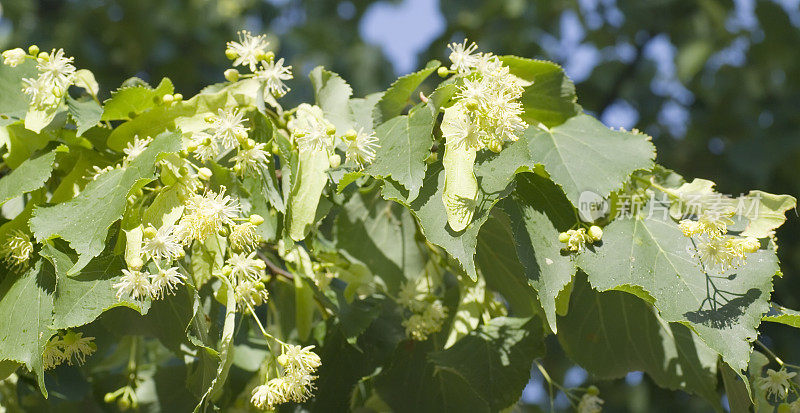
495,146
330,130
256,219
471,104
268,56
231,54
136,264
149,232
204,173
33,50
109,397
167,98
44,55
335,160
595,233
226,270
442,71
178,97
351,134
593,390
231,75
259,286
563,237
275,149
283,359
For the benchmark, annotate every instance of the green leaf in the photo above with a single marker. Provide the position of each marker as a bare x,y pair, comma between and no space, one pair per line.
207,258
550,99
735,390
654,257
613,333
86,113
483,372
84,220
134,100
225,348
783,315
397,97
382,236
81,298
405,142
26,303
584,155
538,211
332,94
29,176
306,190
13,103
7,368
495,360
363,110
497,260
21,143
765,212
303,305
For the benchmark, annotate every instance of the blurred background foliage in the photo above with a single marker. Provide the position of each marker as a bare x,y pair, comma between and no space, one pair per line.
715,82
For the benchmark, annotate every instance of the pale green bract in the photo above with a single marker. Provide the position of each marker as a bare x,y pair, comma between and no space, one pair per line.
424,274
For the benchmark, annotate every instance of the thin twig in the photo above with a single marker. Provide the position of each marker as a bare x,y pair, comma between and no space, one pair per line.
274,268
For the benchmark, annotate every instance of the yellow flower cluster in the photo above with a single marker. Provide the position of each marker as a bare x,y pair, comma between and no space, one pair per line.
715,249
296,383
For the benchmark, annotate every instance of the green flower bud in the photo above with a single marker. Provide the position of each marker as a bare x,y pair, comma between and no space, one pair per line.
231,54
350,134
167,98
282,359
268,56
44,55
178,97
442,71
335,160
471,104
275,149
495,146
204,173
433,157
231,75
136,264
226,270
33,50
563,237
331,130
256,219
595,233
109,397
593,390
259,286
149,232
